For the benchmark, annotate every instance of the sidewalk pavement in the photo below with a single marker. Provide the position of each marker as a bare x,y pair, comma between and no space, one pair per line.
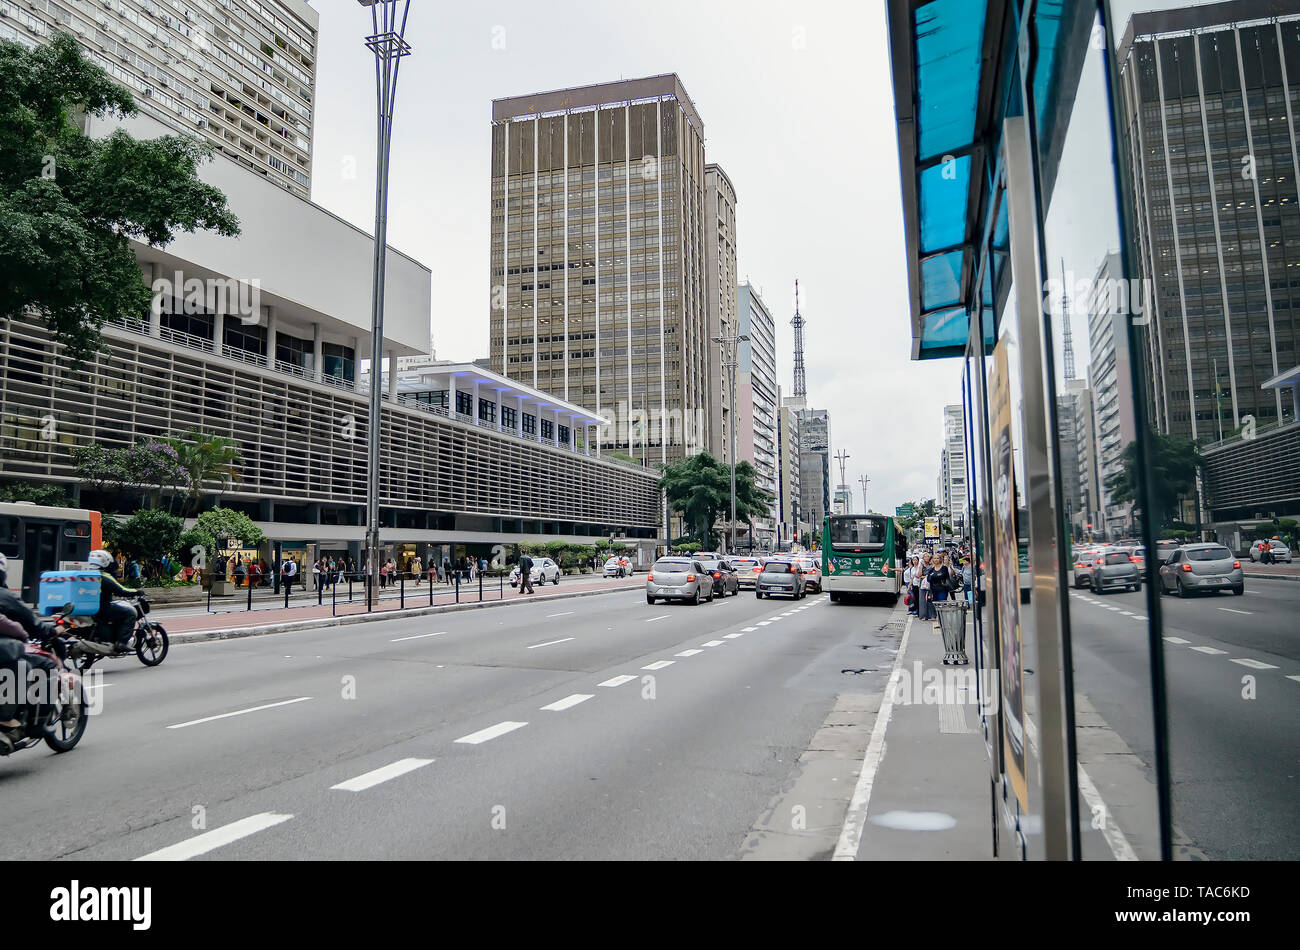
924,785
236,623
1273,572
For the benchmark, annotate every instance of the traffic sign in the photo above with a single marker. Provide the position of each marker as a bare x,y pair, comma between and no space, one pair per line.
904,511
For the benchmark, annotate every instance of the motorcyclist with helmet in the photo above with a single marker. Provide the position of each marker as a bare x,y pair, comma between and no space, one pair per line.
17,625
115,620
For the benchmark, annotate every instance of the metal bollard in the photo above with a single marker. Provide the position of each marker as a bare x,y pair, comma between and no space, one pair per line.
401,594
334,600
209,593
430,590
349,588
320,590
250,595
480,587
458,587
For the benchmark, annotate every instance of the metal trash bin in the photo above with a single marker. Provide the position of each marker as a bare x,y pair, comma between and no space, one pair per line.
952,624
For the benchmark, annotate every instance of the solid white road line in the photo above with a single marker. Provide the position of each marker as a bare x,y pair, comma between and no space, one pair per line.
688,653
419,636
550,643
731,636
1110,829
855,820
1178,640
660,617
1246,613
491,732
195,722
568,701
211,840
1255,664
712,643
371,779
617,681
565,614
1209,650
658,665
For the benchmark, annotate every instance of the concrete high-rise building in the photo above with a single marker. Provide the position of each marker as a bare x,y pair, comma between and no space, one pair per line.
1217,237
756,399
788,472
720,260
814,465
598,258
1110,379
238,75
951,486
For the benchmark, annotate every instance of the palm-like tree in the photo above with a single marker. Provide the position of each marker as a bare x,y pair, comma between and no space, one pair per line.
206,458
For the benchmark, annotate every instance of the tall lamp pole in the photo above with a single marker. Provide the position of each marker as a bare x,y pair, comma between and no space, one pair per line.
730,357
864,480
387,41
841,456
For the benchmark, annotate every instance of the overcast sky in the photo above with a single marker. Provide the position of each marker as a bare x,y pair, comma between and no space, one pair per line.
797,105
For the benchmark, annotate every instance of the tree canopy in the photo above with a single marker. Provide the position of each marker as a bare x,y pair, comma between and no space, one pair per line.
1174,461
69,204
699,489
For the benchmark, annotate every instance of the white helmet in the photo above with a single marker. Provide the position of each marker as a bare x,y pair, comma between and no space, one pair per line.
100,559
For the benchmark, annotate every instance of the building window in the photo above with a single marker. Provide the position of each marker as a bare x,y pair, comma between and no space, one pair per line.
435,398
295,352
195,324
487,411
249,338
465,403
530,424
564,435
338,361
509,417
548,429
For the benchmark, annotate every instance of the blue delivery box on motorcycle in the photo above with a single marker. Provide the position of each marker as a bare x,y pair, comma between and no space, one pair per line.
79,588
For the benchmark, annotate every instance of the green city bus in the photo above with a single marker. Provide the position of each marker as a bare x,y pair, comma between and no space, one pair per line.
860,555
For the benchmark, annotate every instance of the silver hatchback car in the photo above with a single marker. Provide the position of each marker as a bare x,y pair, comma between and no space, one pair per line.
1201,567
1115,569
678,578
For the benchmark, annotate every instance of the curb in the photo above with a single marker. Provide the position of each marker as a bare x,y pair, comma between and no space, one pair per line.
235,633
1271,577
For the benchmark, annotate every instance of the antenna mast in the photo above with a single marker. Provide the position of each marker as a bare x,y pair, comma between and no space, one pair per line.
800,379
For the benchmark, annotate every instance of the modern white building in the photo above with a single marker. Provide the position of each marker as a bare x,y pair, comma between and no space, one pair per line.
239,74
1110,379
720,264
757,402
951,484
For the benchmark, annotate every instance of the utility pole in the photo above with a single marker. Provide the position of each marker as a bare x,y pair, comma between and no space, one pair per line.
864,480
841,456
730,358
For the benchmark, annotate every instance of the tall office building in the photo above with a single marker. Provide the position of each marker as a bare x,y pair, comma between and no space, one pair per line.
598,258
788,516
814,465
240,74
756,399
720,259
1110,379
952,467
1217,238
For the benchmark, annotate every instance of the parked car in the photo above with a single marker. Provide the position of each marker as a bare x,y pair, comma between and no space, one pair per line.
1281,553
724,576
747,570
1202,567
812,572
1115,568
544,569
618,567
780,577
678,578
1084,563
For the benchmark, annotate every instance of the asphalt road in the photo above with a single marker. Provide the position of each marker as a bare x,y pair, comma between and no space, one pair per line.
1232,671
644,732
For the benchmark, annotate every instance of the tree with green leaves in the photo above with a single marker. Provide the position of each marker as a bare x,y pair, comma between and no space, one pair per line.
1174,462
698,488
148,536
149,466
206,458
199,544
70,204
54,495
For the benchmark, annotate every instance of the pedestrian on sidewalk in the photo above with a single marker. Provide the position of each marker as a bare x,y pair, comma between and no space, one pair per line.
525,574
417,568
910,581
924,605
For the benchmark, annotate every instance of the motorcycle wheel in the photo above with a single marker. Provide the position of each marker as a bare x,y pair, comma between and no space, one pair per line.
152,645
70,725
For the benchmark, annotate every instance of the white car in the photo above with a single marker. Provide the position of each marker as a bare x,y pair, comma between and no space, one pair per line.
1281,553
544,569
618,567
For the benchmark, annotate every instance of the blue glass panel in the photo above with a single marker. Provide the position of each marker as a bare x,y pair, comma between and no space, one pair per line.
941,280
945,328
949,35
944,190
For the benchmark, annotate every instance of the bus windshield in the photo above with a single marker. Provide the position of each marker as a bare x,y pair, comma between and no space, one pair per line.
853,532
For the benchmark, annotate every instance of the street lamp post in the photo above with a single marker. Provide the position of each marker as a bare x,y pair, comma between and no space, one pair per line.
388,43
730,357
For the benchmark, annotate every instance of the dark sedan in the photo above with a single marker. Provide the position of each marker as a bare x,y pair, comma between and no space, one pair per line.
724,576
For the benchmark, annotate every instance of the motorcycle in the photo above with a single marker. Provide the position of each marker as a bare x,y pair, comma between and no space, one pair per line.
148,640
60,722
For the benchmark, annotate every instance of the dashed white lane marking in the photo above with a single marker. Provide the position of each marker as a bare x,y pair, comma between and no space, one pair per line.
617,681
565,614
550,643
418,636
99,686
371,779
568,701
491,732
1296,678
731,636
658,665
1127,613
712,643
688,653
660,617
211,840
750,629
1255,664
1246,613
1178,640
240,712
764,623
1209,650
1139,616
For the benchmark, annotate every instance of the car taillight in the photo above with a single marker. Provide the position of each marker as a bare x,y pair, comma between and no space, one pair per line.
690,577
652,576
1236,564
716,575
1133,559
757,570
1187,568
